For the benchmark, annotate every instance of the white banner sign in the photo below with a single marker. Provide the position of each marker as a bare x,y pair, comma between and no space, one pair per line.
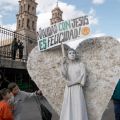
63,31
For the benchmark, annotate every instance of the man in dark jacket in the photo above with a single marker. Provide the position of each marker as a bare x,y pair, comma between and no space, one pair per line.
20,47
14,48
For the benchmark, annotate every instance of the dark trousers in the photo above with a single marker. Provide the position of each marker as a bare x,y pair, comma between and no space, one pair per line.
117,109
14,54
20,53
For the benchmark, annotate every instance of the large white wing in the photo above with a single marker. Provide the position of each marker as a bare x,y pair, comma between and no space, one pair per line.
102,59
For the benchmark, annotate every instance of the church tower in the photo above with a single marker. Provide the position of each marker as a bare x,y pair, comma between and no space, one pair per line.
56,15
26,18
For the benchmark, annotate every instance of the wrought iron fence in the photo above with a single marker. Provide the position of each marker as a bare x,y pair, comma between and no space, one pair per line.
6,39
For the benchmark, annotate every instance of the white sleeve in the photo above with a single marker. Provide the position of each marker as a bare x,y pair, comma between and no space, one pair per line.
83,74
64,70
27,94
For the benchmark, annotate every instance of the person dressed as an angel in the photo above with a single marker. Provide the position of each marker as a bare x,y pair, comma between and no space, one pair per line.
74,106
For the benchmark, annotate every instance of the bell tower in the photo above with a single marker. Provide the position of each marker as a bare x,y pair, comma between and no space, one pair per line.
27,19
56,15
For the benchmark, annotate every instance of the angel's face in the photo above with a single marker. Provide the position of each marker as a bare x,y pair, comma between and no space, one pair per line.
71,55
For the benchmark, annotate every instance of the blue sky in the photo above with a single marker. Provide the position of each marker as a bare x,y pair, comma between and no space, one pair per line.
107,13
104,14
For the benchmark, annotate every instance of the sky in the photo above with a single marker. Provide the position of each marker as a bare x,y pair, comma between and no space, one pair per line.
103,14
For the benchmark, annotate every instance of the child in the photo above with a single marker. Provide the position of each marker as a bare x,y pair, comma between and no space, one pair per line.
5,108
19,99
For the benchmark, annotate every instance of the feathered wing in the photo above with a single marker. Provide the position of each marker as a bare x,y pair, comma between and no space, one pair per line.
103,72
101,57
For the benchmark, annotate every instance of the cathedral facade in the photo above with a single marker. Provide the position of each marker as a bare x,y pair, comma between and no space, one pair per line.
26,31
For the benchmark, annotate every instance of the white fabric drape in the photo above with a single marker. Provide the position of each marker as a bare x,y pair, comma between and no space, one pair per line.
74,107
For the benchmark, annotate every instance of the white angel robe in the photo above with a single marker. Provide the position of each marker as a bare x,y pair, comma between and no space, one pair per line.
74,107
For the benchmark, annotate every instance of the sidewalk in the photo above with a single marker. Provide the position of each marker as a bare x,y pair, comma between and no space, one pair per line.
109,113
31,111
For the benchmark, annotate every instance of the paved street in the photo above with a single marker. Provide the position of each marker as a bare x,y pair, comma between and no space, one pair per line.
31,111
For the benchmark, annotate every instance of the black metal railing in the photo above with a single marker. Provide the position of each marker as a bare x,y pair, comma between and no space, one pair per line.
6,38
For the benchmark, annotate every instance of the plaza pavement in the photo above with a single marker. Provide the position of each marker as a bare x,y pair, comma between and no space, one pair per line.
31,111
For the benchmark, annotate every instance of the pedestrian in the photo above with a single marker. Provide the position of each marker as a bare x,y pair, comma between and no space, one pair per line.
116,101
74,106
3,83
14,48
20,47
5,108
19,99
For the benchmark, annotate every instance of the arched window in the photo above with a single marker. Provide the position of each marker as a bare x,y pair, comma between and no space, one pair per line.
33,25
55,14
19,24
28,23
33,8
23,22
24,8
28,8
21,9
